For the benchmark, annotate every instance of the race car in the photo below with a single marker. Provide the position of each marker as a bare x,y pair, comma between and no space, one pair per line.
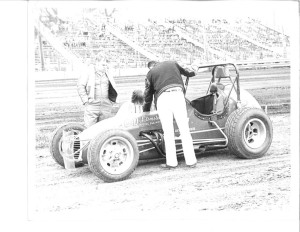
113,147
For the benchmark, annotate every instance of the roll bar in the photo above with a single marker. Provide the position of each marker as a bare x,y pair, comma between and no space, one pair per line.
237,79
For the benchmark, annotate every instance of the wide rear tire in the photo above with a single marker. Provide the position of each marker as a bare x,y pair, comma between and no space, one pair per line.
113,155
249,132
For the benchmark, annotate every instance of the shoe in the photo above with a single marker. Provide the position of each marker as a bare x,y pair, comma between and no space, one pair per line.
192,165
165,166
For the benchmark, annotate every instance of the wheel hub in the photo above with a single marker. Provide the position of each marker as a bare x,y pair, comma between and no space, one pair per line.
116,155
254,133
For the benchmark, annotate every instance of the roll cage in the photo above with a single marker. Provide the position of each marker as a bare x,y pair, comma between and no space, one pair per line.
235,83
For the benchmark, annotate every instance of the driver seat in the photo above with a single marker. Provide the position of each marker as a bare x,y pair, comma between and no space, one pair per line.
219,98
219,73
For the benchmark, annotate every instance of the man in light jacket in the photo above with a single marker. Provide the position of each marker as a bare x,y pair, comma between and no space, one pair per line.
97,90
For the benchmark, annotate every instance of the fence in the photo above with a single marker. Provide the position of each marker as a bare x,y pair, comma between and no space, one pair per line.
52,75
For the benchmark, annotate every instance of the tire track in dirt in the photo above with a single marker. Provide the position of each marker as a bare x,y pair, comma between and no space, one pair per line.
203,188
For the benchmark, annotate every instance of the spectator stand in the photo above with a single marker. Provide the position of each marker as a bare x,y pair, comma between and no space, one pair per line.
131,44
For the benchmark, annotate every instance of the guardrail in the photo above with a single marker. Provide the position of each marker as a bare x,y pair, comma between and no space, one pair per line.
267,107
52,75
264,64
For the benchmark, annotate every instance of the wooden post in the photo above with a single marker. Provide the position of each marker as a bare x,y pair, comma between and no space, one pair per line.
41,52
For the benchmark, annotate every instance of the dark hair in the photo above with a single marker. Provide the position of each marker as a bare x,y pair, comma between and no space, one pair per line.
137,96
151,63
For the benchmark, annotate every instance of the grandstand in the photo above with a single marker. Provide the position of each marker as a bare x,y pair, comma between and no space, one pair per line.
130,44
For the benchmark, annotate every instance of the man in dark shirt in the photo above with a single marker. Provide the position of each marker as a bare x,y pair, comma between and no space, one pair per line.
164,81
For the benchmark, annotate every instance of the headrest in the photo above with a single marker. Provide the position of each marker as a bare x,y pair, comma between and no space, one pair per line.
221,72
213,88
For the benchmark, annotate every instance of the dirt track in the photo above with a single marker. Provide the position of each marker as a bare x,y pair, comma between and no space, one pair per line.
220,182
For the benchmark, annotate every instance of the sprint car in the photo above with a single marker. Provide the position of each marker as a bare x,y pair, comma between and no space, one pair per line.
113,147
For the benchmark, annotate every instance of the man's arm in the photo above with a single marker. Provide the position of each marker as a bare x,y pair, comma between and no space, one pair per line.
111,73
81,86
184,71
148,94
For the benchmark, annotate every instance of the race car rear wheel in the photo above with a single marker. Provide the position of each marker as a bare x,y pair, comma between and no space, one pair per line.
56,140
113,155
249,132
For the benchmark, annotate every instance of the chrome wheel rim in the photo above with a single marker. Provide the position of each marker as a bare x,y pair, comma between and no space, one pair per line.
116,155
255,133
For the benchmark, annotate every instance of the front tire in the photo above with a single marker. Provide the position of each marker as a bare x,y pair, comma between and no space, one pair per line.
55,142
113,155
249,132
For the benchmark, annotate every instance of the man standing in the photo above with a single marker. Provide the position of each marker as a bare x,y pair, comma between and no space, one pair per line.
164,81
97,90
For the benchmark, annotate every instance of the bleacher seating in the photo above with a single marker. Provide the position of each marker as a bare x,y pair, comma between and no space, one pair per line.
261,33
160,40
86,38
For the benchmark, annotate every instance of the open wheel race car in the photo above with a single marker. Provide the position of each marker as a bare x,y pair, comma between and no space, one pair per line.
225,117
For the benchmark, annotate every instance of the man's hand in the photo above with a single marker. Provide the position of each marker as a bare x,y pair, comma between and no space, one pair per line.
194,68
201,70
87,102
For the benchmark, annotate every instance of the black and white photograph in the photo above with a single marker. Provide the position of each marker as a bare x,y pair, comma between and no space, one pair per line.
164,111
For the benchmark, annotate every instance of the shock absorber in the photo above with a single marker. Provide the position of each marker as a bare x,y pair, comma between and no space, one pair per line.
158,144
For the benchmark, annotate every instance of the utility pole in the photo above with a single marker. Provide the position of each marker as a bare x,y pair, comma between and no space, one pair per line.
283,43
41,51
204,33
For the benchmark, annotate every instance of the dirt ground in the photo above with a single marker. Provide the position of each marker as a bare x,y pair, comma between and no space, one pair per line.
220,182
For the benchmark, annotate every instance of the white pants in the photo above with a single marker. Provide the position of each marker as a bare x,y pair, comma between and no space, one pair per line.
171,104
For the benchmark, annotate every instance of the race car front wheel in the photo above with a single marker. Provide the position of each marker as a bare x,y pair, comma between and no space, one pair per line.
249,132
113,155
56,141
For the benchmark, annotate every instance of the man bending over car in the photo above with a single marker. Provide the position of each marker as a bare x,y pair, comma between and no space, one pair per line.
164,81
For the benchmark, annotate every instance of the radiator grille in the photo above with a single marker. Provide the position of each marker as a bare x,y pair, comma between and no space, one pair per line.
76,147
